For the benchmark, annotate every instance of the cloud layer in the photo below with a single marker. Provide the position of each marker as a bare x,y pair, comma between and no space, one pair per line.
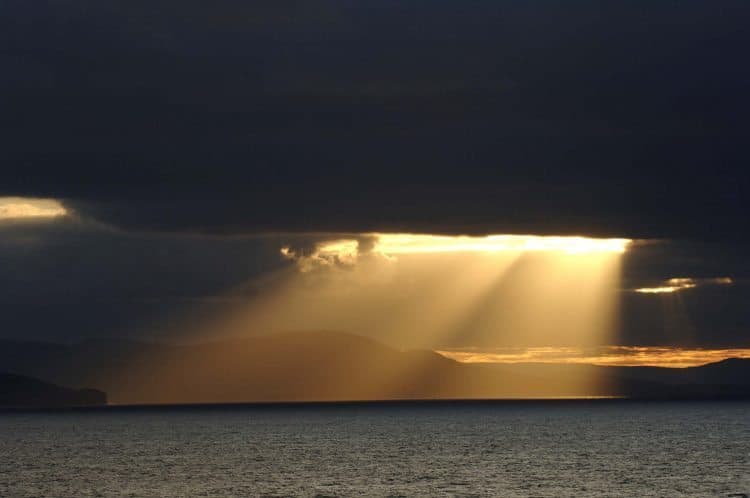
619,120
68,279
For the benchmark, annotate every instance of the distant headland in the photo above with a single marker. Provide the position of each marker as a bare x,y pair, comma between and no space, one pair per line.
19,391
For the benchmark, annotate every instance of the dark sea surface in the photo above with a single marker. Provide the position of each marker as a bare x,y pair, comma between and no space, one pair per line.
574,448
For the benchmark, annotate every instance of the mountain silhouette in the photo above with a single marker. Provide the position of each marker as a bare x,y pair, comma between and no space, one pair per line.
21,391
316,366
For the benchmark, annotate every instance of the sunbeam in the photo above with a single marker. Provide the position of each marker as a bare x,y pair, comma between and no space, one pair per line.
422,292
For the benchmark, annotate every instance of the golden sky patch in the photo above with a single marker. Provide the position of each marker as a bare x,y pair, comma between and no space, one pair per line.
653,356
414,243
682,283
13,208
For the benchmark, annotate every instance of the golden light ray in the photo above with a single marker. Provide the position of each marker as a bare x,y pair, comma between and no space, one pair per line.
425,291
431,311
440,289
551,299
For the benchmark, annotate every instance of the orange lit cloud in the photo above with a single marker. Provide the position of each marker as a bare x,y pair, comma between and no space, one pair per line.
680,284
606,356
332,253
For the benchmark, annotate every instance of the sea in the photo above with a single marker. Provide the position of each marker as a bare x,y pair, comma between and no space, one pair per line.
505,449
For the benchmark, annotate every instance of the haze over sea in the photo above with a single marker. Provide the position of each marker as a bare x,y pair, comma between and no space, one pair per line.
545,448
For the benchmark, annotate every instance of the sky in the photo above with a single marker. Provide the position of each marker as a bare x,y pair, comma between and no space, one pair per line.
180,145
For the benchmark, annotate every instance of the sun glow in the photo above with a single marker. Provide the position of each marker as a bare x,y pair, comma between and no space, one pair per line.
346,251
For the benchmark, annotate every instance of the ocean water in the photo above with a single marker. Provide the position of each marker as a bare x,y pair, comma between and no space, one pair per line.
591,448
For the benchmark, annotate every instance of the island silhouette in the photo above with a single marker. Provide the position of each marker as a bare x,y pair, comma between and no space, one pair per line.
328,366
19,391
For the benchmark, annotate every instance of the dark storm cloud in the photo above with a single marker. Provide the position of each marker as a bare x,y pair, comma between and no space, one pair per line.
66,280
624,118
709,315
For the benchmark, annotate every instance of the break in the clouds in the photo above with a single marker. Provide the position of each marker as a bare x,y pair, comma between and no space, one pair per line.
344,252
69,279
21,208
